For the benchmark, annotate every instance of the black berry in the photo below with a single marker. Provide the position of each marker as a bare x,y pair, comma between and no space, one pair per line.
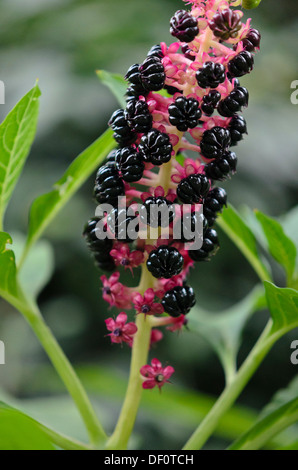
184,113
184,26
155,51
226,24
172,90
130,164
233,103
123,134
210,101
188,226
219,169
137,116
237,128
135,91
214,203
209,247
108,185
165,262
99,244
215,142
211,75
193,189
178,301
241,64
133,75
152,74
123,226
252,40
157,212
188,53
155,147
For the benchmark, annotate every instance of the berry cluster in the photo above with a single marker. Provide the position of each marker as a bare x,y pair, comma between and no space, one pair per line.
190,88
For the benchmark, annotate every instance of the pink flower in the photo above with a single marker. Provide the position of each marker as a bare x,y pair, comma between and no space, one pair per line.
155,375
178,323
122,332
115,293
189,167
156,336
124,257
145,304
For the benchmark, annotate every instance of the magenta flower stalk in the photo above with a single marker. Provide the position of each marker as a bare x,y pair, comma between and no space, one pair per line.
185,97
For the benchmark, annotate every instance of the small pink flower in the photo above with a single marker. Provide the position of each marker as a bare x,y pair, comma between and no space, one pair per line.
178,323
115,293
121,332
155,375
145,304
124,257
156,336
189,167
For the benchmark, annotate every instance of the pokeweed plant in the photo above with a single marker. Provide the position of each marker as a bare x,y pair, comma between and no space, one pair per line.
185,97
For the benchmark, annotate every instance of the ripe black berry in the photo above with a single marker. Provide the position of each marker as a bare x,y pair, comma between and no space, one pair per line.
172,89
220,168
165,262
137,116
188,227
188,53
209,247
99,245
252,40
110,160
210,102
193,189
133,74
130,164
178,301
123,226
184,26
155,147
226,24
155,51
241,64
123,134
211,75
214,203
157,212
135,91
152,74
233,103
184,113
215,142
108,185
237,128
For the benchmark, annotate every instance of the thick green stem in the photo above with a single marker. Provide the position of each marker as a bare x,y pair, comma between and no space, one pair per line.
233,390
65,370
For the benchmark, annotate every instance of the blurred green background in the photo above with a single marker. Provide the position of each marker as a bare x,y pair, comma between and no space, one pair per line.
62,43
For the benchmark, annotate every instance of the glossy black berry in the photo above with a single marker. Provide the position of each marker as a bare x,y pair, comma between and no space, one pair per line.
233,103
184,113
237,128
209,247
135,91
137,116
157,212
133,74
210,102
155,51
108,185
172,89
110,160
241,64
193,189
178,301
152,74
165,262
122,225
155,147
189,226
215,142
184,26
123,134
188,53
99,244
252,40
226,24
211,75
130,164
214,203
220,168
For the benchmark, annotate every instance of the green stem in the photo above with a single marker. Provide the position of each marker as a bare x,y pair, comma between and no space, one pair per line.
62,441
64,369
233,390
139,357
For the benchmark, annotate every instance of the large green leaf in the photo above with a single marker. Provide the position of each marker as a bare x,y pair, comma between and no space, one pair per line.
19,432
239,232
224,330
8,281
283,306
17,132
47,206
268,427
280,245
116,84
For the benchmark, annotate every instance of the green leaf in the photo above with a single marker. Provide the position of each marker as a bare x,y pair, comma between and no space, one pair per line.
281,247
17,132
8,280
224,330
19,432
115,83
239,232
283,306
250,4
47,206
